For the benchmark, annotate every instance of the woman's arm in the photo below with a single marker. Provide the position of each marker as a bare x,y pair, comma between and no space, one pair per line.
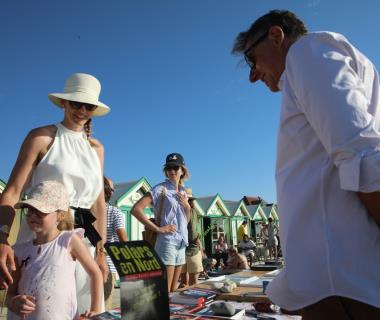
185,203
99,207
100,212
34,146
79,251
138,212
19,304
122,235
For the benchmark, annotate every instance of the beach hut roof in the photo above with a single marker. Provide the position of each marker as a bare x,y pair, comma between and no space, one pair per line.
122,190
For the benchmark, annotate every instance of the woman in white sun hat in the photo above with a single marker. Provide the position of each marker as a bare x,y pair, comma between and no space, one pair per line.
67,153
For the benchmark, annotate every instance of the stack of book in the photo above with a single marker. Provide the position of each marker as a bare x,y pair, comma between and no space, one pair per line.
194,303
193,297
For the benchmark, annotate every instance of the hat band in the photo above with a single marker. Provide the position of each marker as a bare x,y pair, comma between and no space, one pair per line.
94,93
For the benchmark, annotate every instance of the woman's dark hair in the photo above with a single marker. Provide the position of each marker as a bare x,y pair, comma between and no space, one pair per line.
107,189
290,24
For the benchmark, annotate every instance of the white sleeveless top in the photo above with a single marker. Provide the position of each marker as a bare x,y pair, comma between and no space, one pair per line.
72,161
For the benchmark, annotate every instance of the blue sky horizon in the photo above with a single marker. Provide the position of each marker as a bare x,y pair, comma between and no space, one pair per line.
168,75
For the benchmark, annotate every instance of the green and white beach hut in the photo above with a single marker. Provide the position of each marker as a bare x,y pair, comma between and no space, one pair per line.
239,213
2,185
271,211
125,196
258,219
215,221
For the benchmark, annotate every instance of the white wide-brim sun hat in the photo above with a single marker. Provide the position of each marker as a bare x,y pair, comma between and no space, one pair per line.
81,87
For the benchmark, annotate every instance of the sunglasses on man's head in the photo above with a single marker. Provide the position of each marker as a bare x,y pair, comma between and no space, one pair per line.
77,105
170,168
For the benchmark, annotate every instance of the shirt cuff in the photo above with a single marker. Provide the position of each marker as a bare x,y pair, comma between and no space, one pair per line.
361,173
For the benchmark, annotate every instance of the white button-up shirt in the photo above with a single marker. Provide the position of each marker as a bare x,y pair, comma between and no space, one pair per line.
328,148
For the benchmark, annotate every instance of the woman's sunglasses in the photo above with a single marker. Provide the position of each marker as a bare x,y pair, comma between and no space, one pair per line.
169,168
77,105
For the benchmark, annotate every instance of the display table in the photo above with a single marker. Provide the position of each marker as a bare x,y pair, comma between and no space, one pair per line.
240,294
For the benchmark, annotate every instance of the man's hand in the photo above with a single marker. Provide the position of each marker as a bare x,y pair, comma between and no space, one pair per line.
7,264
102,263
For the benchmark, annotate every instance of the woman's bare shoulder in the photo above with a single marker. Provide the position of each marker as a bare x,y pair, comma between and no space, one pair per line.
95,143
48,131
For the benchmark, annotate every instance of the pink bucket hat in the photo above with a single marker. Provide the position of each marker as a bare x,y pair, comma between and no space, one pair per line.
47,197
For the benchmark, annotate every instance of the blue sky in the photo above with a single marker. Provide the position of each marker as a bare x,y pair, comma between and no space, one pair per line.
168,75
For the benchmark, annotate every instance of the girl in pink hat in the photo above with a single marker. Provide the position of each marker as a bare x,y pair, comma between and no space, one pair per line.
44,280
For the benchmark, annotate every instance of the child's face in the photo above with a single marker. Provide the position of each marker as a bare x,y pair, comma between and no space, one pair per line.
39,221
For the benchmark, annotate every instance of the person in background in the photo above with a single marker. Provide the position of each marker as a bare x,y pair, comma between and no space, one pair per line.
327,168
242,230
193,266
271,232
236,261
44,279
247,247
115,232
64,152
220,251
172,234
208,264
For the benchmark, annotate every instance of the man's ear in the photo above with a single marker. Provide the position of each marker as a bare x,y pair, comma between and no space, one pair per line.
276,34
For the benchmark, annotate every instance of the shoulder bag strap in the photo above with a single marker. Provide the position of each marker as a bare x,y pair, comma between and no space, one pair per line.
161,207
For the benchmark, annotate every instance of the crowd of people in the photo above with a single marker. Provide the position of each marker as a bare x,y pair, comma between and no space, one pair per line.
328,142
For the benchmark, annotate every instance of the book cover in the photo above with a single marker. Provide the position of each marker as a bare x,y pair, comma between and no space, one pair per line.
178,298
199,293
143,280
176,308
206,312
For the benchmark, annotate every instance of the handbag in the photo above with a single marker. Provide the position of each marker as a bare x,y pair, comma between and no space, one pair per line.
150,235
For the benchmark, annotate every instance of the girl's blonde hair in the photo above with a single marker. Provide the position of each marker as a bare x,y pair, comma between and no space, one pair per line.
65,220
184,176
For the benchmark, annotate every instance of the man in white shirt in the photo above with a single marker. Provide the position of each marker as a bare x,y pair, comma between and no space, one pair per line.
328,166
247,247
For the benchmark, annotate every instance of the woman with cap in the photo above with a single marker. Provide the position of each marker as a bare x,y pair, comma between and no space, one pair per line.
67,153
172,214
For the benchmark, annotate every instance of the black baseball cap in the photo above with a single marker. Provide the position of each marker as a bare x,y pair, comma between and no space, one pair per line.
174,159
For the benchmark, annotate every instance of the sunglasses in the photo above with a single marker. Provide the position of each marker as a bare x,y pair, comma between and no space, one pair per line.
77,105
170,168
250,61
29,211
